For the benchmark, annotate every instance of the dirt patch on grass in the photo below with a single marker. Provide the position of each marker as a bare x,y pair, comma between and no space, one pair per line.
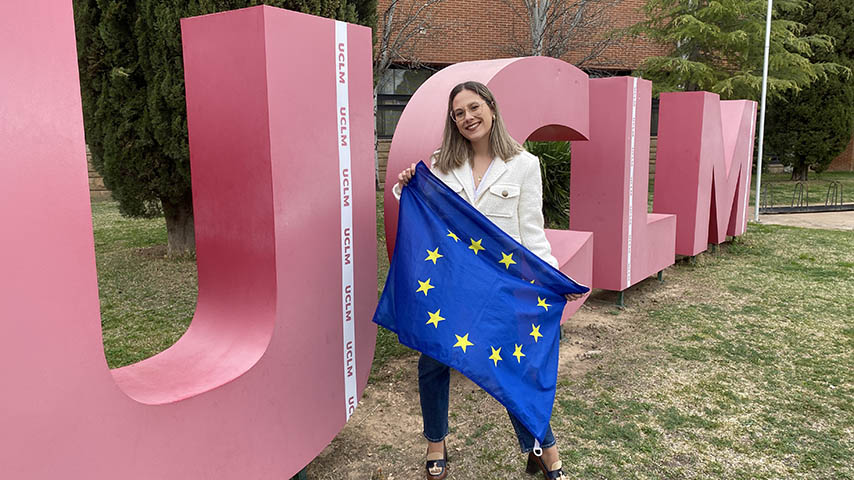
824,220
152,253
383,438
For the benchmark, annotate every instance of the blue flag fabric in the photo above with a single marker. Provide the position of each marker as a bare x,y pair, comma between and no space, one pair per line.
465,293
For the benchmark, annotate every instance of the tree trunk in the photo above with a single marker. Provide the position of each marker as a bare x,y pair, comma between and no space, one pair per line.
537,12
376,142
180,230
799,172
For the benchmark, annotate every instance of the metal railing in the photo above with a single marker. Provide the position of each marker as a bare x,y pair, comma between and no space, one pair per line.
834,194
799,201
801,192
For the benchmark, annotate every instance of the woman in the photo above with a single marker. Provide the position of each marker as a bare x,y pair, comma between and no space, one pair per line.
489,169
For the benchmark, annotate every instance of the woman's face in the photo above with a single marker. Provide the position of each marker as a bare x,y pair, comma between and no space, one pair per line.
472,115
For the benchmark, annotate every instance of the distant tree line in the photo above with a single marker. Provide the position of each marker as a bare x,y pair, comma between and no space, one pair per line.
807,129
718,46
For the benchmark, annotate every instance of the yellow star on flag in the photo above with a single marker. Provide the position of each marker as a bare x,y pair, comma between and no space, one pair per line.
518,353
496,355
507,260
532,281
475,245
535,332
463,342
453,235
541,302
434,255
424,286
435,318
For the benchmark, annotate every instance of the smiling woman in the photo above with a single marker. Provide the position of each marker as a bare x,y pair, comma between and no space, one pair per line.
469,135
473,121
482,163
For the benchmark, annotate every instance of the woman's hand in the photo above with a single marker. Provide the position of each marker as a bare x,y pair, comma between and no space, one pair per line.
571,297
406,175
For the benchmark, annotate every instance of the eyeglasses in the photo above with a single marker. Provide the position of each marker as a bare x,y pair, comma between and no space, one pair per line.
459,114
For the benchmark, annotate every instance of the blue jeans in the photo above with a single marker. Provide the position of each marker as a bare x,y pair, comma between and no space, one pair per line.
434,379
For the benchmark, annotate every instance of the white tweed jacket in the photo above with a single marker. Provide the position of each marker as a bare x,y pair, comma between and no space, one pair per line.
511,196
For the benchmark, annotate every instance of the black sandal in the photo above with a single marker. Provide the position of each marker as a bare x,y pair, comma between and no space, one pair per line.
535,464
437,464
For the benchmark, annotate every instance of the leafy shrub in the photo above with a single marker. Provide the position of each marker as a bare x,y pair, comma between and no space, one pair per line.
554,166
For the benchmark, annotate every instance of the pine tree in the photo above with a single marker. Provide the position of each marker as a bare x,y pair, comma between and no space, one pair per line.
134,108
718,46
810,128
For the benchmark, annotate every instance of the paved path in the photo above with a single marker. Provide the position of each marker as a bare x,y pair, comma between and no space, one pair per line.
825,220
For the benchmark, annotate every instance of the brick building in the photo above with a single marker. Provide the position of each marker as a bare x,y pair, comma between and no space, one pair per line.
463,30
845,161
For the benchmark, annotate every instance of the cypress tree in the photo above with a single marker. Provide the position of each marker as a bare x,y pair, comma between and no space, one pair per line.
366,12
718,46
808,129
134,107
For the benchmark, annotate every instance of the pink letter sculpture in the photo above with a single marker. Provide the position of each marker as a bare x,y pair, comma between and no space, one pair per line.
703,166
540,99
609,187
267,374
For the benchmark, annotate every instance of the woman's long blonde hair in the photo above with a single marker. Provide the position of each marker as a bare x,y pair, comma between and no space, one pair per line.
456,149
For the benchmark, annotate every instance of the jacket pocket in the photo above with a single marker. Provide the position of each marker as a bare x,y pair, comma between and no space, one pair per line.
502,201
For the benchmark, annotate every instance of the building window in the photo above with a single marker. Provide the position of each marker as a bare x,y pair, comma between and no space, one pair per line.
395,89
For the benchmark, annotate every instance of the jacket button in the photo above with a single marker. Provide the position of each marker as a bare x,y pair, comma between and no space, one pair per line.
504,193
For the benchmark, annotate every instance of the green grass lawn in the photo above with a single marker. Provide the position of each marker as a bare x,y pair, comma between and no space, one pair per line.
147,301
739,366
747,373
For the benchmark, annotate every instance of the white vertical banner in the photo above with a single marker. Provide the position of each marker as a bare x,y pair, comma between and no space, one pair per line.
749,168
632,182
342,83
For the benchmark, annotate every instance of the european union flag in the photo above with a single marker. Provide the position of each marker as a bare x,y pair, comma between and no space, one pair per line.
464,292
